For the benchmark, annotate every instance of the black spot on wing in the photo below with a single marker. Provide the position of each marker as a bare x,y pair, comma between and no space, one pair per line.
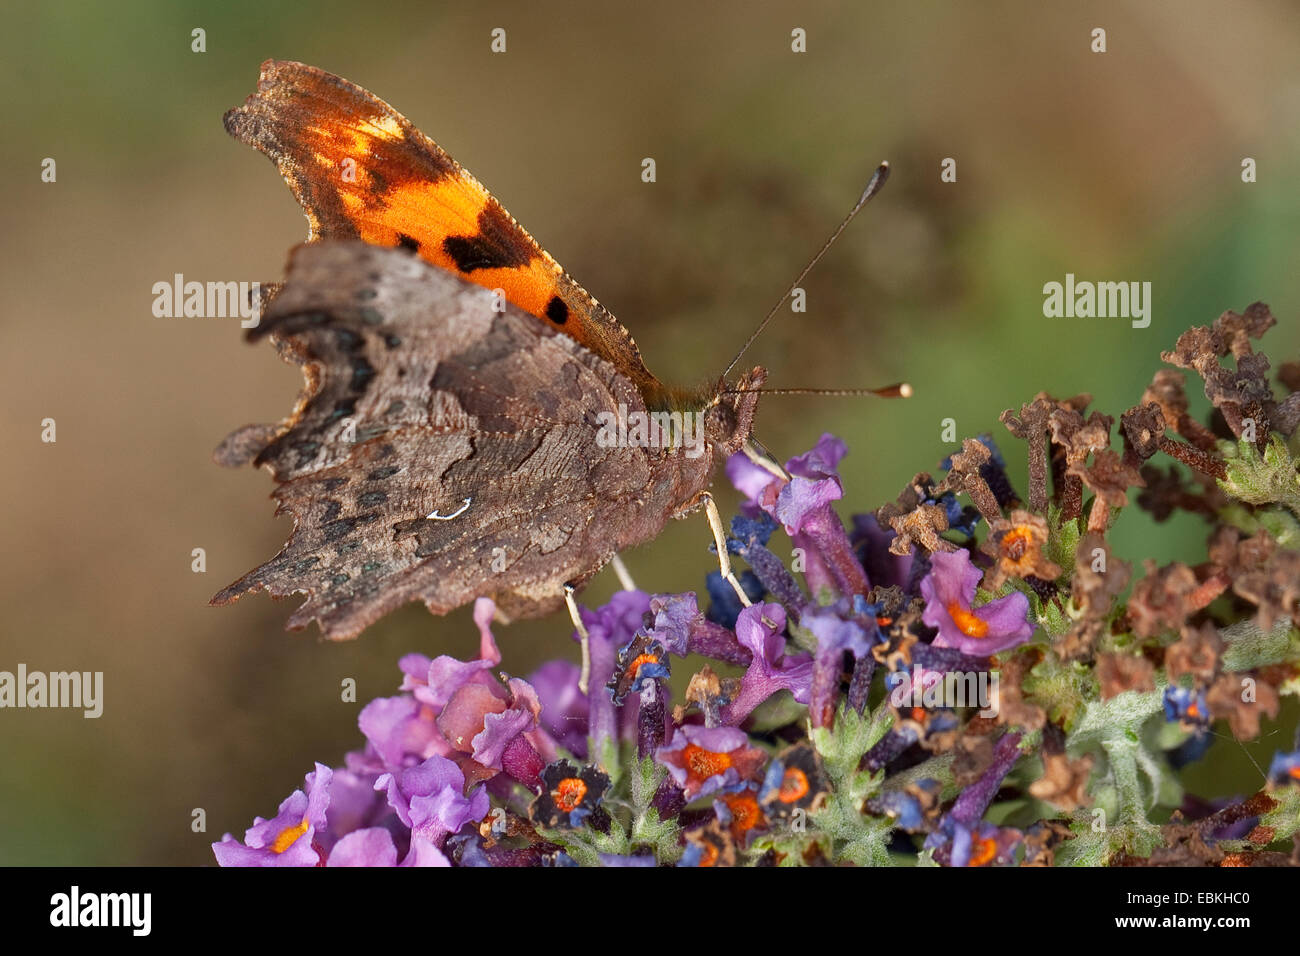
557,311
498,244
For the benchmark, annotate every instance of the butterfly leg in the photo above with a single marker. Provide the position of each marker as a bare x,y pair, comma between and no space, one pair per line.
720,541
585,677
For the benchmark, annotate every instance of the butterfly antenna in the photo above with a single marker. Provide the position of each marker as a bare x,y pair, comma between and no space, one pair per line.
897,390
877,180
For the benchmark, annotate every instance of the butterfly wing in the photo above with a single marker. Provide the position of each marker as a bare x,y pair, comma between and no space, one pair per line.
441,449
361,170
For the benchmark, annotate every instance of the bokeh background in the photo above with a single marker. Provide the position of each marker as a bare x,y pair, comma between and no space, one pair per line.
1124,166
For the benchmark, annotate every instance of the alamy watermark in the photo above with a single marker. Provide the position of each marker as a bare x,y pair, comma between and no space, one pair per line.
133,911
38,689
637,429
1102,300
922,687
208,300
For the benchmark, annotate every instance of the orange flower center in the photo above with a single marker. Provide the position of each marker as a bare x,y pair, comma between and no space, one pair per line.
704,764
983,852
641,659
967,622
569,794
1017,542
745,813
287,837
794,786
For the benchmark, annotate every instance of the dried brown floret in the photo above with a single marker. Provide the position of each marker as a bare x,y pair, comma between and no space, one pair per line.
1242,395
1167,491
914,520
1161,599
1118,673
1076,438
710,693
965,475
1064,781
1016,546
1041,841
1098,581
1144,434
972,756
1242,700
1143,426
1273,587
1031,427
1108,477
921,526
1166,391
1195,653
1013,709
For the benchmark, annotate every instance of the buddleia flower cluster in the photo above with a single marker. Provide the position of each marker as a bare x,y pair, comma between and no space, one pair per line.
964,677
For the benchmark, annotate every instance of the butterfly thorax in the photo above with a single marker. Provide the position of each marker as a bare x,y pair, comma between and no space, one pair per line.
727,407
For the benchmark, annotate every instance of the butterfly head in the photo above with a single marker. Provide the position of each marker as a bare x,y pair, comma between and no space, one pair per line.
729,412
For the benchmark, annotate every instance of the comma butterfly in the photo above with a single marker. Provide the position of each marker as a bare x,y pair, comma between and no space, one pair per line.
452,437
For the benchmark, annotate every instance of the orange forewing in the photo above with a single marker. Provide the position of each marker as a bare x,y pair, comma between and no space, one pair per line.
361,169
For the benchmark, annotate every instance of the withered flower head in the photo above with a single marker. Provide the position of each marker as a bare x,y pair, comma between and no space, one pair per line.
1243,392
1242,699
1273,586
1064,781
1195,653
710,693
1016,546
1161,600
1117,673
1098,580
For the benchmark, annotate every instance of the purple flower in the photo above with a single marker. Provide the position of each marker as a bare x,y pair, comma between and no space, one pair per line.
400,730
681,628
803,506
458,709
675,618
759,628
835,635
372,846
981,844
430,800
434,682
702,760
749,479
963,839
883,567
609,628
813,485
948,590
287,838
565,709
354,805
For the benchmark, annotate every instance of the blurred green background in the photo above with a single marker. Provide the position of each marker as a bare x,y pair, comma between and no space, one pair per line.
1117,166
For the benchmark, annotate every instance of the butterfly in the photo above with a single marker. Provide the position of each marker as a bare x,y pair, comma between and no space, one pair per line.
452,439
